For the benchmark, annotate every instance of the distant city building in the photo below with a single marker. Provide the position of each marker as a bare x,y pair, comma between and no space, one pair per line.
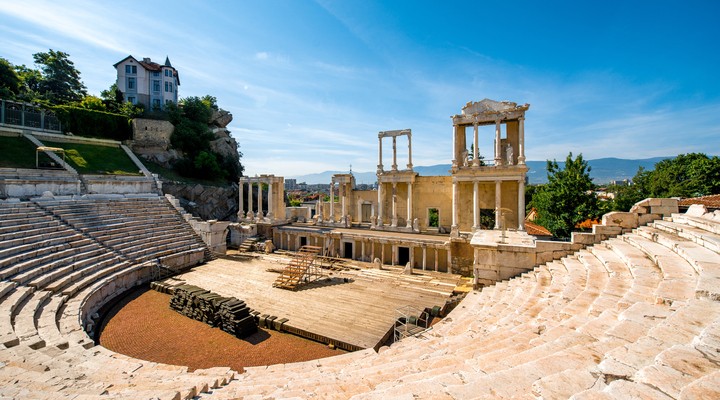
147,82
290,184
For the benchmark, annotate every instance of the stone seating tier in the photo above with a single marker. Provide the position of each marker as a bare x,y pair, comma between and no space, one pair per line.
631,316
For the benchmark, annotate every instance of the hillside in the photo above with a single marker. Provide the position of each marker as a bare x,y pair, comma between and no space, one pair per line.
603,170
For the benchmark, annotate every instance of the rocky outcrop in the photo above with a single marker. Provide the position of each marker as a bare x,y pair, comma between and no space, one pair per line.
206,202
224,144
220,118
151,141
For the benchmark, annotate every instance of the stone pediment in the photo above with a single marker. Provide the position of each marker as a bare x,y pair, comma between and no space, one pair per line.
487,106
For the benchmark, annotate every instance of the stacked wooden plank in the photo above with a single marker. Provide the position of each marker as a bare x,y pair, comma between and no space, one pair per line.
228,313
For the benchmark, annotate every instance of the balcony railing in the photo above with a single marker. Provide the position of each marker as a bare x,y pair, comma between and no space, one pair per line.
26,115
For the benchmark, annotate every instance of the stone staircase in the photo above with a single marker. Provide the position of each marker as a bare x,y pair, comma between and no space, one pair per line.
636,316
59,262
248,244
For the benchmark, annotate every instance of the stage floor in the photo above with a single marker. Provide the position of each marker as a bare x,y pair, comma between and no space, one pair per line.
359,312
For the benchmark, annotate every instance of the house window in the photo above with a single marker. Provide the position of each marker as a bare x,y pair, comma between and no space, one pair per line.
168,87
156,73
433,218
131,99
131,69
156,86
168,72
131,83
156,104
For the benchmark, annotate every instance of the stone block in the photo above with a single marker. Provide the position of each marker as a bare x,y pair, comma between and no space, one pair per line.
582,238
621,219
696,210
665,211
645,219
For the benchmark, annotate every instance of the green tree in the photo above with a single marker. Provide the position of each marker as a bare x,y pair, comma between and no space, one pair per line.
197,109
568,198
29,83
113,98
61,82
92,103
9,80
687,175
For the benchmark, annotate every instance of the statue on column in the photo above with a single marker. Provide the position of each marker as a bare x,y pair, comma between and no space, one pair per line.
509,154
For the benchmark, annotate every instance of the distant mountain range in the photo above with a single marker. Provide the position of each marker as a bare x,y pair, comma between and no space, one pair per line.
603,170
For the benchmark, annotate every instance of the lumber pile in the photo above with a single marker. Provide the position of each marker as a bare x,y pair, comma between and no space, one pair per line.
228,313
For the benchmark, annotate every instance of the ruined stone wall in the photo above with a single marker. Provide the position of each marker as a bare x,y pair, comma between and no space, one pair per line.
206,202
432,192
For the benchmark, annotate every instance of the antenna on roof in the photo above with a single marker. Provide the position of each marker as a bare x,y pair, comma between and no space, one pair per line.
351,169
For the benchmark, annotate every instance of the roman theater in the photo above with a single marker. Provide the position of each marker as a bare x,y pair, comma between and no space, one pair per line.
427,287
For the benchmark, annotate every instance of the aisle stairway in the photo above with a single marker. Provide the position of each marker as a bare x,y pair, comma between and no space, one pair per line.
634,316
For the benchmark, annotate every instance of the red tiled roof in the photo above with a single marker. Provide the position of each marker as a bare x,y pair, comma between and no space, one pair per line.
536,230
711,201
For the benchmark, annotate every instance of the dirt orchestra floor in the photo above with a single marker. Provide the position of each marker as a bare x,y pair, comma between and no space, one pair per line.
143,326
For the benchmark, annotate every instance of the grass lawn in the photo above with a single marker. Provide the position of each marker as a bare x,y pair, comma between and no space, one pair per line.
94,159
16,152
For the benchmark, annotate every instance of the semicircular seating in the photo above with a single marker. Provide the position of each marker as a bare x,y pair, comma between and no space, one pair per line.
633,316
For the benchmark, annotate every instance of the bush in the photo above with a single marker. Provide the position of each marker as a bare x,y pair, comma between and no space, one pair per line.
93,123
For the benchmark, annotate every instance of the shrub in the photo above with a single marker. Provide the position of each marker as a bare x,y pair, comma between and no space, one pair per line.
93,123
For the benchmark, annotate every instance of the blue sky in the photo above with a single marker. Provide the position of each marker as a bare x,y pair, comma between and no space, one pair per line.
310,83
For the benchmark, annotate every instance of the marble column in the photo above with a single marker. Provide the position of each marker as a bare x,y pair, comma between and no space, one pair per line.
521,204
260,214
409,164
411,257
394,164
380,205
362,250
241,201
521,140
476,158
382,253
449,261
380,164
270,214
498,203
393,254
250,213
424,262
454,226
498,147
332,201
476,211
343,188
437,263
372,251
393,222
409,207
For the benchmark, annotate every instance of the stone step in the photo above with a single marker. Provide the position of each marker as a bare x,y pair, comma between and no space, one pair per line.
706,224
47,322
25,319
709,240
8,306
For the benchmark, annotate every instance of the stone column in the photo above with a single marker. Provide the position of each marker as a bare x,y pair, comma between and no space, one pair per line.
380,205
454,147
380,164
241,205
454,226
394,164
411,260
362,250
437,263
382,253
424,262
449,260
270,214
498,203
372,251
409,164
393,222
521,204
289,246
250,213
476,159
476,212
409,207
521,140
498,150
260,202
393,254
332,201
343,187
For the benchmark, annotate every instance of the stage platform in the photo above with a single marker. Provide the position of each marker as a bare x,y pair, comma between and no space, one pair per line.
354,315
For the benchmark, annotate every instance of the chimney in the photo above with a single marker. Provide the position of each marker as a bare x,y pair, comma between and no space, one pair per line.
146,60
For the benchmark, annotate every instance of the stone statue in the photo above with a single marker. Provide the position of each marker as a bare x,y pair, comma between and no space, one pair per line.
509,154
464,157
269,247
408,269
416,225
378,263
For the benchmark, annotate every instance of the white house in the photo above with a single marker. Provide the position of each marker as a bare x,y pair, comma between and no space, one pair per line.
147,82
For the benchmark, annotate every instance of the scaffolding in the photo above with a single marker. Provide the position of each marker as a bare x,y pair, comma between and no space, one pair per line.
302,269
410,321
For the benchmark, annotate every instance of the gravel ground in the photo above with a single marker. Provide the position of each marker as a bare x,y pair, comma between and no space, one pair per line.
143,326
